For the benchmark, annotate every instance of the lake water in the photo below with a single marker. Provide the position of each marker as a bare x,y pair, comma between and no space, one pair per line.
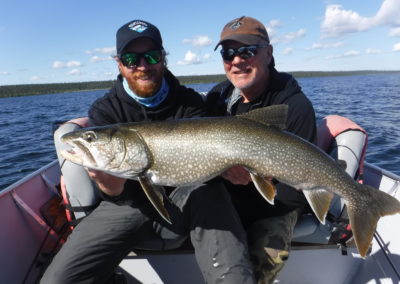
373,101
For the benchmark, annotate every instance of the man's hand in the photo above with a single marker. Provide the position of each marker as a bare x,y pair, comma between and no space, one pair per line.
109,184
237,175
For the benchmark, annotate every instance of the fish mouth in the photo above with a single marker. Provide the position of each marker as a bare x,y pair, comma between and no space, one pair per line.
79,154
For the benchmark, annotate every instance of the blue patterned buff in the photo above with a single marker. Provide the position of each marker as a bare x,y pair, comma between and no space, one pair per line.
150,102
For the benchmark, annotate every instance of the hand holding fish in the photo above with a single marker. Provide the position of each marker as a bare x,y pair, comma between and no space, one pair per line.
109,184
237,175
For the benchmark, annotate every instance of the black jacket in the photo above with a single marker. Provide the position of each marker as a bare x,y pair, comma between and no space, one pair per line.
283,89
116,106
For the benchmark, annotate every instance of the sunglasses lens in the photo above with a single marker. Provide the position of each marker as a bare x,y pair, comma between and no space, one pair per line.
132,59
129,59
153,56
244,52
228,54
247,51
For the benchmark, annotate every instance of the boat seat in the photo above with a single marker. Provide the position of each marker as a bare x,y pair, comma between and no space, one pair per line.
347,144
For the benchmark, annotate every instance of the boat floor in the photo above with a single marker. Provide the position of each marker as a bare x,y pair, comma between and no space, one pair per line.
179,266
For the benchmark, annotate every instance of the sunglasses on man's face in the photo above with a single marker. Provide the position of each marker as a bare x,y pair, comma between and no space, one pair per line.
132,59
243,52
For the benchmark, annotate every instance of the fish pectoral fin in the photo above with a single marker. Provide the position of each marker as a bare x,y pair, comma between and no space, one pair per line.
320,201
155,194
265,187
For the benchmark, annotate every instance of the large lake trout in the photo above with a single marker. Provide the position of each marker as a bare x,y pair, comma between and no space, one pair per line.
192,151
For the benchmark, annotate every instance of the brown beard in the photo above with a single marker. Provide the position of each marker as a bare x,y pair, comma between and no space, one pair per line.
147,90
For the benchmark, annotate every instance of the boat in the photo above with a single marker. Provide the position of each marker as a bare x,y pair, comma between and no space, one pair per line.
34,226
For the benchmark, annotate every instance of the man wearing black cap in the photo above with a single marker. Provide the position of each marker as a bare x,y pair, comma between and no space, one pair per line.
253,82
146,90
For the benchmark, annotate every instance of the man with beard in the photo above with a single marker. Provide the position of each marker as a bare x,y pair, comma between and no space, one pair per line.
146,90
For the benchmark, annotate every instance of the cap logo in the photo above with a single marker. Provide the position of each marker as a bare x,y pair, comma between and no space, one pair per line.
235,25
138,27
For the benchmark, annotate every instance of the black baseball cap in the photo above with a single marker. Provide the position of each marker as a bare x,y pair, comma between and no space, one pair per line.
134,30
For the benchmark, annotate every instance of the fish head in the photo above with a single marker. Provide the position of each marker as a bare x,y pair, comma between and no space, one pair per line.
113,149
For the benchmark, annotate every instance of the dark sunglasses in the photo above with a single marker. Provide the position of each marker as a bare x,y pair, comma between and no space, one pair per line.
244,52
132,59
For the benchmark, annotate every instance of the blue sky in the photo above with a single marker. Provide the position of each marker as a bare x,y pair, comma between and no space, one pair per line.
49,41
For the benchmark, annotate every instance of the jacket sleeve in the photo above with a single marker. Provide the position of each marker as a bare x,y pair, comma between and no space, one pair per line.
301,118
195,105
216,99
100,113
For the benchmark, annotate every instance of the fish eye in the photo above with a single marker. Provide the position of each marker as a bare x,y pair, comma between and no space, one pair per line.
89,137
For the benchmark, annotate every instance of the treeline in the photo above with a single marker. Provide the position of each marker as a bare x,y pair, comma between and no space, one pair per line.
38,89
302,74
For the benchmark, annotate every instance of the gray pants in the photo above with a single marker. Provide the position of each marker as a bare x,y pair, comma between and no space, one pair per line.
99,243
269,240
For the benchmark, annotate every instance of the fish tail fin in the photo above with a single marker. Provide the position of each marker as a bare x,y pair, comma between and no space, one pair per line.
364,215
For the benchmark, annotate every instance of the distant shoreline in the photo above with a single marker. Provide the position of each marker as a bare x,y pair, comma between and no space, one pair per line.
54,88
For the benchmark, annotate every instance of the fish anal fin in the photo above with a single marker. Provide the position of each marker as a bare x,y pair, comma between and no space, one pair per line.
155,194
319,200
275,115
264,187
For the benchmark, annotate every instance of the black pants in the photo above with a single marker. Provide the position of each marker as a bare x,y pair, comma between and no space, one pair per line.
101,241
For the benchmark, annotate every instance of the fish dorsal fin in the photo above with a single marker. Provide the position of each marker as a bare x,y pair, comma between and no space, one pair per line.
271,116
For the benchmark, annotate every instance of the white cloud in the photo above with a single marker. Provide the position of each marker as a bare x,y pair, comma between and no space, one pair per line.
394,32
388,13
338,21
96,59
286,38
274,24
35,78
396,47
207,56
199,41
72,64
287,51
325,45
4,73
60,64
294,35
190,58
272,33
349,53
373,51
102,50
74,72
